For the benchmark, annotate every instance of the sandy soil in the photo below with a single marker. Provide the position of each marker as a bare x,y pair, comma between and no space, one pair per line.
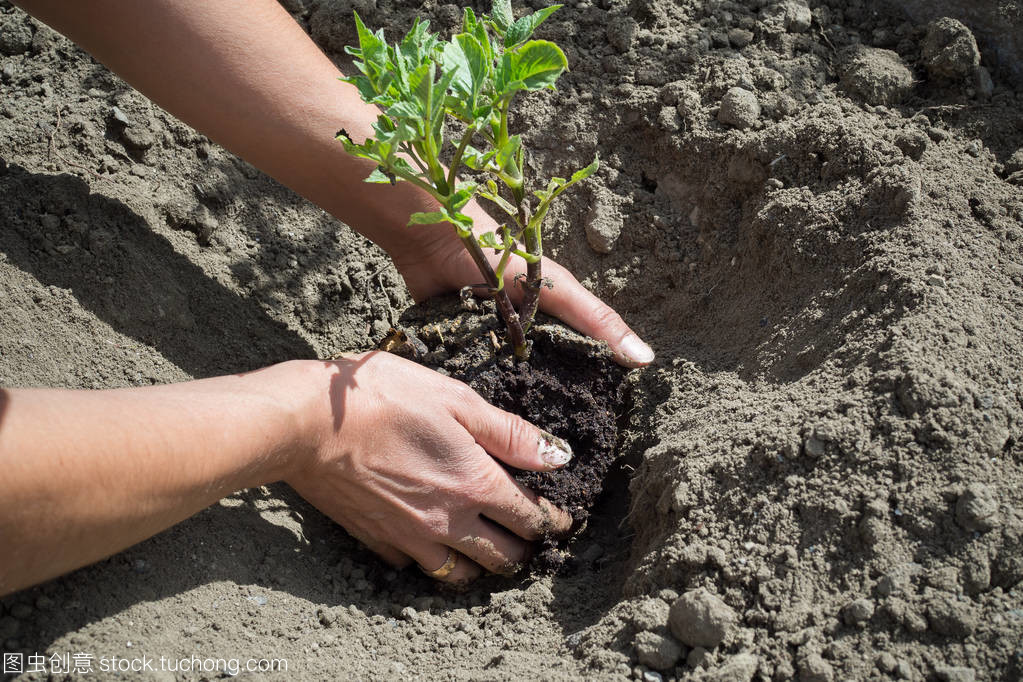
815,214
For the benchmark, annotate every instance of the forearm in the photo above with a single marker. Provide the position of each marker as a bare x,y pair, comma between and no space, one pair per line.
246,75
88,473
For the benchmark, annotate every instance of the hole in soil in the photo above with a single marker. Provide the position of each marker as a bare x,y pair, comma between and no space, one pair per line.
742,255
647,183
592,578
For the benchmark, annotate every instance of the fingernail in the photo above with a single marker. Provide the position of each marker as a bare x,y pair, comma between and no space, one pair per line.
554,451
637,352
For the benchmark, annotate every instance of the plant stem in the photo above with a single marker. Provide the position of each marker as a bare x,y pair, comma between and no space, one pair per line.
534,274
504,305
415,157
456,161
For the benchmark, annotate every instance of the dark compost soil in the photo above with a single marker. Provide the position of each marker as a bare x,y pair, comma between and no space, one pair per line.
569,387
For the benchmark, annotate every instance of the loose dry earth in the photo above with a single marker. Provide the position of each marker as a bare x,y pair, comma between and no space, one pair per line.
814,214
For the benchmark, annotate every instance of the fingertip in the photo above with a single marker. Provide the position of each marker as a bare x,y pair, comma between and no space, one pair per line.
554,452
633,352
559,522
579,308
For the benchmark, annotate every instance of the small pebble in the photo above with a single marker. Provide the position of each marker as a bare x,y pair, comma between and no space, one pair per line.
956,674
813,668
699,618
798,17
858,612
120,116
739,109
657,651
949,50
904,670
740,37
7,72
977,509
814,447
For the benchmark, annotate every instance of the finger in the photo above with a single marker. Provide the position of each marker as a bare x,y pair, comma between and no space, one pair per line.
493,548
520,510
574,305
511,438
392,556
389,553
434,556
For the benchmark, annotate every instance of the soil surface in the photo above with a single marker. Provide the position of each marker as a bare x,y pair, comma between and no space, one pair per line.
814,213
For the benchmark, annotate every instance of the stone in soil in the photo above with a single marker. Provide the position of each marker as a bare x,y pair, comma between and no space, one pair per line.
15,35
739,668
977,508
813,668
739,108
858,612
657,651
949,49
603,224
875,75
699,618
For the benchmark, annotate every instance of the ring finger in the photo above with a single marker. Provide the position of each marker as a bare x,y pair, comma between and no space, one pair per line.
492,547
445,564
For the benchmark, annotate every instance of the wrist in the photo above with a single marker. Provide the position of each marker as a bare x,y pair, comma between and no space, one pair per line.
299,417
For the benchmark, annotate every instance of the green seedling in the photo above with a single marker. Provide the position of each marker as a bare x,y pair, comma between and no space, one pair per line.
420,83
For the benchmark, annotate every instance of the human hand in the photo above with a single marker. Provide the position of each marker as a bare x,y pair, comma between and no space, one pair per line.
435,262
404,459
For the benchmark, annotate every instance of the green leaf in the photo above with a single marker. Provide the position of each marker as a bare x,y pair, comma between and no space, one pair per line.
460,220
534,66
404,166
501,13
436,109
421,83
501,202
463,195
372,48
584,173
555,187
431,218
405,110
488,240
522,29
475,159
363,85
503,80
508,154
469,21
381,177
483,38
464,55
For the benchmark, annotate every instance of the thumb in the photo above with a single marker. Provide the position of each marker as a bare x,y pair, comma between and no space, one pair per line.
574,305
512,439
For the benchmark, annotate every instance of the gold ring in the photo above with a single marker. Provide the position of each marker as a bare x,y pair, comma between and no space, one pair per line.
445,570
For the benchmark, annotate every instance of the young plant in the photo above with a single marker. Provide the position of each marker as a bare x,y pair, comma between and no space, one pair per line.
420,82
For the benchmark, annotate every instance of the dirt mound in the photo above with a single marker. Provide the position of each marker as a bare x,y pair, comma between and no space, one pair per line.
824,466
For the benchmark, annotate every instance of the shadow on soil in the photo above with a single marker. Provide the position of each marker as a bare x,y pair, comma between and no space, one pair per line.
266,541
133,279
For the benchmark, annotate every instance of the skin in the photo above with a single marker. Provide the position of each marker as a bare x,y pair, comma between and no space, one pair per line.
404,458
